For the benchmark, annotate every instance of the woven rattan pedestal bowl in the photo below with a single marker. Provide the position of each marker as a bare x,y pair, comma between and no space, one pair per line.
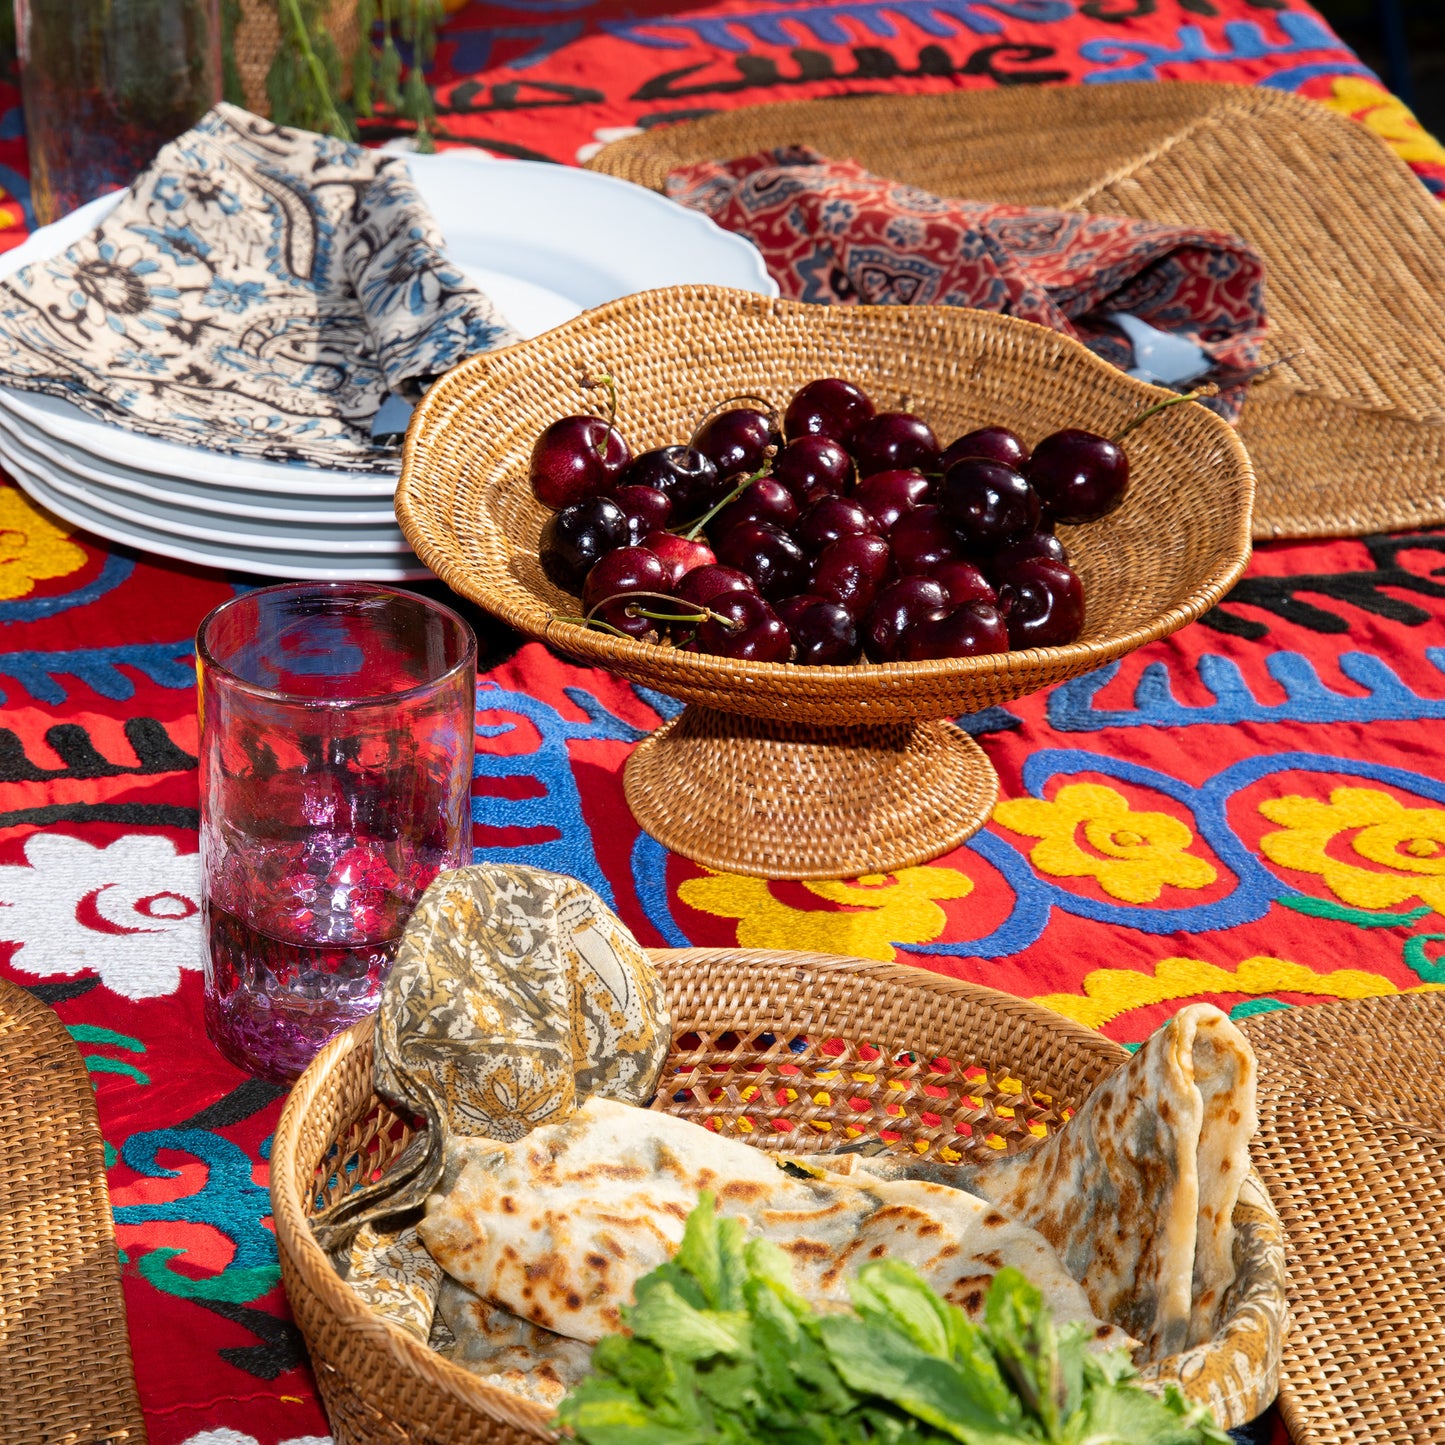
790,1051
819,772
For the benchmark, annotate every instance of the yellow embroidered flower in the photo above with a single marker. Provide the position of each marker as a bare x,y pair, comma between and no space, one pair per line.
32,548
1109,992
1387,115
883,910
1134,854
1410,841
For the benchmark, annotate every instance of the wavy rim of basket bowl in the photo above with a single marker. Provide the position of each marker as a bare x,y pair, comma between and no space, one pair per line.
425,513
699,1002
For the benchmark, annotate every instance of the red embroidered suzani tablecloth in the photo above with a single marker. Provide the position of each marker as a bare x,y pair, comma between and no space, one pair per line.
1252,811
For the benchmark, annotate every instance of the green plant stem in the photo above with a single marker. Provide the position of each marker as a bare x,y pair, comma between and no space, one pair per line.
294,25
692,533
591,383
1164,405
703,613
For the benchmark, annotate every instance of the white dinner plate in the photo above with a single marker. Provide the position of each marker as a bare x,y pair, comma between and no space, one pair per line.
324,566
279,536
544,241
200,498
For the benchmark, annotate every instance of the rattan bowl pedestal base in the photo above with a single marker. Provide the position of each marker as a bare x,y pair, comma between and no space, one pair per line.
819,772
779,800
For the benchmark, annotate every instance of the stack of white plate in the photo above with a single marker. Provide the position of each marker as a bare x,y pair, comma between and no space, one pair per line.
545,242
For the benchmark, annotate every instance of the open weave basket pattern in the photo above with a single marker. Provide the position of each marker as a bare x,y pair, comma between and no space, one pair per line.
792,1051
1175,546
1348,433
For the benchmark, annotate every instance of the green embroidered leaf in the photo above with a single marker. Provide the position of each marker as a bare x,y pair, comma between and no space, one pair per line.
1361,917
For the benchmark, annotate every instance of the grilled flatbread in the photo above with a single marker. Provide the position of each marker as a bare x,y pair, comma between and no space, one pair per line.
558,1227
1137,1191
506,1351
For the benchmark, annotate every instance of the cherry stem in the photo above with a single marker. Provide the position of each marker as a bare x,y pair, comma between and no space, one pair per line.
1195,395
703,614
692,533
666,616
599,625
723,405
591,383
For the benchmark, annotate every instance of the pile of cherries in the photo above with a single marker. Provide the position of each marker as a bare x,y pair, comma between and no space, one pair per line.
848,531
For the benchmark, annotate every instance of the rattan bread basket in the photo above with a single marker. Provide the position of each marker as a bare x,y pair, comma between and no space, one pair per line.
1348,432
891,1052
819,772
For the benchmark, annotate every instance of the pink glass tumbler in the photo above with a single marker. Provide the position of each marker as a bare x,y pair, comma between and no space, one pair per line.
336,765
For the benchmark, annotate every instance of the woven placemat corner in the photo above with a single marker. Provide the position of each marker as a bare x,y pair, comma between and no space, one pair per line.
65,1362
1347,434
1352,1149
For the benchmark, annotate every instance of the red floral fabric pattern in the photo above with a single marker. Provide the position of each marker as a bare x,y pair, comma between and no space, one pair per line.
830,232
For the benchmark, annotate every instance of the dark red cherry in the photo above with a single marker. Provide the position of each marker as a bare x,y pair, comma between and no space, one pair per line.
702,584
678,555
828,407
968,631
893,440
625,614
765,500
575,539
736,441
886,496
922,540
1043,603
576,458
813,466
791,608
1079,475
898,607
830,518
669,469
964,583
1031,544
749,630
629,569
770,557
850,571
994,443
987,504
823,633
646,509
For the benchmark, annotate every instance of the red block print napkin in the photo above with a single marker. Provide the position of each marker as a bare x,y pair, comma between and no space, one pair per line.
832,233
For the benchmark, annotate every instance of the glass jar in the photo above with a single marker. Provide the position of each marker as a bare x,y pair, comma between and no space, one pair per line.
106,84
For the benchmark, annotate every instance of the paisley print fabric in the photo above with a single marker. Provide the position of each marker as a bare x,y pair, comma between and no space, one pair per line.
515,995
392,1271
832,233
259,290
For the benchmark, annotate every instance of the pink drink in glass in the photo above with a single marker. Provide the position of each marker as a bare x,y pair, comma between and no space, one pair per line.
336,763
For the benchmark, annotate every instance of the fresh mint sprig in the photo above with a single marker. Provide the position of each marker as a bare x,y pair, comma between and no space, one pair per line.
723,1351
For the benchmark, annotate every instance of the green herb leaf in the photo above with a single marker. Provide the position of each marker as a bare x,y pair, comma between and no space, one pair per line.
887,1364
671,1323
723,1351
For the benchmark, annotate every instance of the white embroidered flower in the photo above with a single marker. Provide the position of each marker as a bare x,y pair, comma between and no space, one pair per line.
225,1436
234,1437
129,912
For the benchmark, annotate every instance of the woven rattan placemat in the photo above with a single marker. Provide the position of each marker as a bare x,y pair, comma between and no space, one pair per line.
1352,1150
65,1364
1347,435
